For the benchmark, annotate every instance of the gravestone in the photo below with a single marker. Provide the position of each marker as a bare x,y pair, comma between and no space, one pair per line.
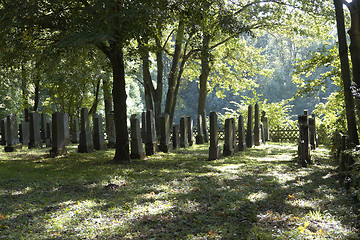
205,130
164,133
214,149
176,137
48,134
24,133
3,131
200,135
241,130
85,141
262,132
312,132
143,127
183,132
75,131
257,134
43,126
137,149
12,138
190,132
249,130
265,122
304,141
58,138
98,134
67,129
111,130
229,147
151,142
34,125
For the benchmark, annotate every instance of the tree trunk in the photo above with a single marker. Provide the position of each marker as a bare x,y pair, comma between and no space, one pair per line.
147,80
120,114
93,108
205,70
25,94
174,69
354,33
108,104
345,73
37,94
157,94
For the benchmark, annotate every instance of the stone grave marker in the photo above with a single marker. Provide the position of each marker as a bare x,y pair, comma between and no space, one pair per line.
137,149
12,138
190,132
229,147
214,149
164,133
257,134
183,132
265,122
24,133
67,129
111,135
205,130
176,136
98,134
85,141
151,141
58,142
3,131
200,135
43,126
75,131
48,134
34,125
304,141
241,130
249,129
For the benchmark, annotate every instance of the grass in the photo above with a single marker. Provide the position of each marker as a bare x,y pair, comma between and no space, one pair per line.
258,194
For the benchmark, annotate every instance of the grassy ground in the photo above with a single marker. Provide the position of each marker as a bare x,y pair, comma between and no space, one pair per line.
258,194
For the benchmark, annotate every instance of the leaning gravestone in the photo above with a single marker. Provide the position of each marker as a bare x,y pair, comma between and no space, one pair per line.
111,130
137,149
304,142
151,143
35,139
85,141
98,135
24,133
3,131
12,139
75,130
58,142
164,145
249,130
48,134
200,135
205,130
257,133
176,137
190,132
43,126
229,147
183,132
214,149
241,130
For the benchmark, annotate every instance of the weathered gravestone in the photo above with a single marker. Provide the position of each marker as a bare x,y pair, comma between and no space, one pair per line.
143,127
262,132
164,133
190,131
85,141
111,136
58,142
265,122
176,136
249,130
205,130
214,149
48,134
137,149
75,131
304,141
257,133
200,135
24,133
34,125
183,132
229,146
98,134
151,142
3,131
43,126
241,130
12,138
312,132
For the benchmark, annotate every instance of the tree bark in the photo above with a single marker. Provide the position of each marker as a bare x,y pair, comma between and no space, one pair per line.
354,34
37,94
157,94
205,70
25,95
345,73
93,108
108,104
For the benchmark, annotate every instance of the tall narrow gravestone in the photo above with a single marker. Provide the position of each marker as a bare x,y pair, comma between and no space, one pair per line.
229,147
205,130
190,132
265,122
214,149
200,135
249,129
98,135
111,136
151,143
241,130
3,131
176,137
34,124
75,130
43,127
257,133
58,142
137,149
12,139
183,132
48,134
164,133
24,133
304,142
85,141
